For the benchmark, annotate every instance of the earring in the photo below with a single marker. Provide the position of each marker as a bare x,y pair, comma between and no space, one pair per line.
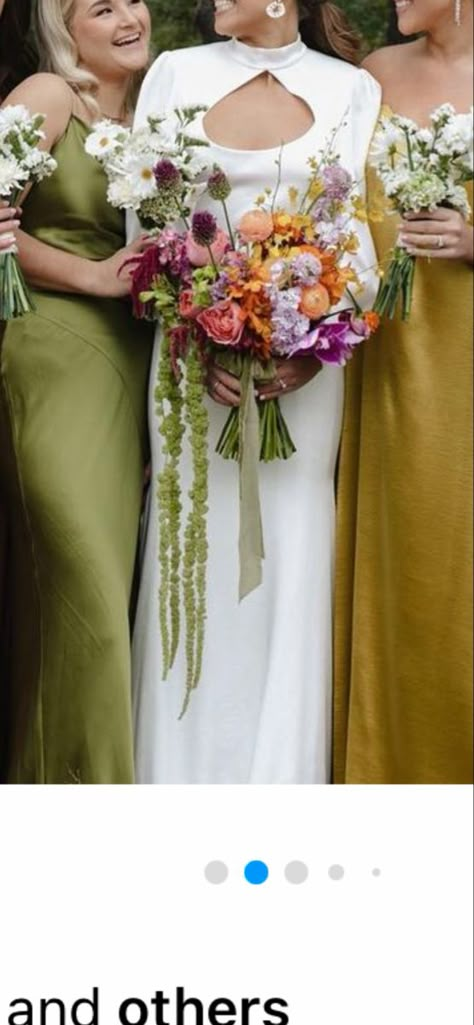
458,12
276,10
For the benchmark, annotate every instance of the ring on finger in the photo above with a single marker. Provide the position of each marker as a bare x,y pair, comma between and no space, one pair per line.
440,242
282,384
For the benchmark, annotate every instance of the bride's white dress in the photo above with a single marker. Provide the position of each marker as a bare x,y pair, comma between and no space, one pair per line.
262,712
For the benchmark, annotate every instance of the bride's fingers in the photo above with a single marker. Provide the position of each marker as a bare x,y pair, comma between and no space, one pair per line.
221,394
229,381
440,214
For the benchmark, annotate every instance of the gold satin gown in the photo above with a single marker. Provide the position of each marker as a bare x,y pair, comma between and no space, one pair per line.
403,625
73,444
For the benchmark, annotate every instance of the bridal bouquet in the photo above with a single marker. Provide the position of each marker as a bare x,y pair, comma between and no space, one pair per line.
271,286
21,163
420,169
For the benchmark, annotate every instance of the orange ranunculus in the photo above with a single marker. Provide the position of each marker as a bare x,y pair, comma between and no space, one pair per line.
315,301
372,320
256,226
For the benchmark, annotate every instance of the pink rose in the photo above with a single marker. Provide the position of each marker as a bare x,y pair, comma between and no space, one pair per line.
256,226
199,255
223,322
187,307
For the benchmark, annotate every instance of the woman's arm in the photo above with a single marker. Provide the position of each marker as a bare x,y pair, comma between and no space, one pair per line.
45,266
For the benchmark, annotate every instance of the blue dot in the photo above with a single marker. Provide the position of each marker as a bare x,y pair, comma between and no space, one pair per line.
256,872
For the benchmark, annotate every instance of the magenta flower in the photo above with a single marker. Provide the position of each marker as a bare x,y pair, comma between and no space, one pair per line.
168,177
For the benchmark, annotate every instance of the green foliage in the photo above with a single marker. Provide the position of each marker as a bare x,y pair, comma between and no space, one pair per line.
173,21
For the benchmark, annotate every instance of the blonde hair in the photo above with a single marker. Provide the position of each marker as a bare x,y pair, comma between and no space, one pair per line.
60,55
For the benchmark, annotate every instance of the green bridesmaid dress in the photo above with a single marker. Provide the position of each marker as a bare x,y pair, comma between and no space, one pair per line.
73,382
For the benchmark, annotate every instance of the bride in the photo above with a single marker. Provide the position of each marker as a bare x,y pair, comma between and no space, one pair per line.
262,712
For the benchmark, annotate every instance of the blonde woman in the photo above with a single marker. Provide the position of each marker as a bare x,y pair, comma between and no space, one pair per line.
73,437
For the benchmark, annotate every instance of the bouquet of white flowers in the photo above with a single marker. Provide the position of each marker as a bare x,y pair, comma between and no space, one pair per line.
153,170
420,169
21,162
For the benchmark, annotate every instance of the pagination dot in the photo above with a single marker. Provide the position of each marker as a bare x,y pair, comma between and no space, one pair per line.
336,872
296,872
377,872
256,872
216,872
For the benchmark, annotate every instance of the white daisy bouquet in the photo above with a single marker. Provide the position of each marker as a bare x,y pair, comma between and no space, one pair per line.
143,166
420,169
21,162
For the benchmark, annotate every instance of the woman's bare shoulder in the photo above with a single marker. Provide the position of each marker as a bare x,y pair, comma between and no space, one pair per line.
387,61
46,94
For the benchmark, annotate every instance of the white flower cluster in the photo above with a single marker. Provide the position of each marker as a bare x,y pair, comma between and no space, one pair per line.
21,160
129,158
423,168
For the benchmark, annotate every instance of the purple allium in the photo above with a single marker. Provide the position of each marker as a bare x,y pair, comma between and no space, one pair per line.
204,228
167,176
337,181
218,185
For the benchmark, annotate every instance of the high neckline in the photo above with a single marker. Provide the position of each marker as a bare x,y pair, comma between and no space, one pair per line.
267,59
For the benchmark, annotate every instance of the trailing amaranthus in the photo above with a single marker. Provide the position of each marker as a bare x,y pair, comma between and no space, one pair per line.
195,546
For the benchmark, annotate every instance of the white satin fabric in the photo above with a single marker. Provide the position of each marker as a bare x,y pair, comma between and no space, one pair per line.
262,713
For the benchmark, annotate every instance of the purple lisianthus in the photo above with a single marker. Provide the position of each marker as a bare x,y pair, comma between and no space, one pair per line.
337,182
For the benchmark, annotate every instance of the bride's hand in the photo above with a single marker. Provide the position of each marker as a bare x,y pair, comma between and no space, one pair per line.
291,374
440,235
9,222
223,387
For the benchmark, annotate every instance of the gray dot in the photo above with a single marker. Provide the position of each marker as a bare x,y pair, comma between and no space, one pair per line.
296,872
216,872
377,872
337,873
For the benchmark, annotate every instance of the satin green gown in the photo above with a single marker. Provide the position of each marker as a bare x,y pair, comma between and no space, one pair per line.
73,382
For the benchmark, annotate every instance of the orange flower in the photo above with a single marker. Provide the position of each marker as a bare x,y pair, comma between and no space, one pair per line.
256,226
315,302
372,320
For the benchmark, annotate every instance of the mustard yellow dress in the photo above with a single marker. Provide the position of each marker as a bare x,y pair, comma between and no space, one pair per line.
403,624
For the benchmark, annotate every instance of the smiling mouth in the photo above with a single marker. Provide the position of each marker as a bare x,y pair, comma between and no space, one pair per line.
129,40
222,6
402,5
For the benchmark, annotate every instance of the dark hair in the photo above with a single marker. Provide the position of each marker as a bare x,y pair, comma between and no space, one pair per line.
325,27
17,58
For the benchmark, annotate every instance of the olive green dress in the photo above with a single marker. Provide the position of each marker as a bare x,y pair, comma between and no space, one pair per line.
403,686
72,450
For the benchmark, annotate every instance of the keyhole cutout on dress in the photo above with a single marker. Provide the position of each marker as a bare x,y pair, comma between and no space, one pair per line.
260,115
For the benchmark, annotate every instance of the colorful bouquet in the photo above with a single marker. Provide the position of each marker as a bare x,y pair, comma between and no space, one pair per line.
420,169
271,286
21,162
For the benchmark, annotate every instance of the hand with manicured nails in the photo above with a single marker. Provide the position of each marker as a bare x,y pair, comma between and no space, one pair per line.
440,234
9,222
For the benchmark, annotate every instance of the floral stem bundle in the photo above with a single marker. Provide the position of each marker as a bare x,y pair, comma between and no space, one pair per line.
21,162
420,169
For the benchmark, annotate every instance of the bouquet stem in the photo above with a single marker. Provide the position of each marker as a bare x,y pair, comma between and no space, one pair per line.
397,286
15,298
275,438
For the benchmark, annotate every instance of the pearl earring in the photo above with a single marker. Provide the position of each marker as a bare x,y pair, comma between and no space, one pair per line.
276,10
458,12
